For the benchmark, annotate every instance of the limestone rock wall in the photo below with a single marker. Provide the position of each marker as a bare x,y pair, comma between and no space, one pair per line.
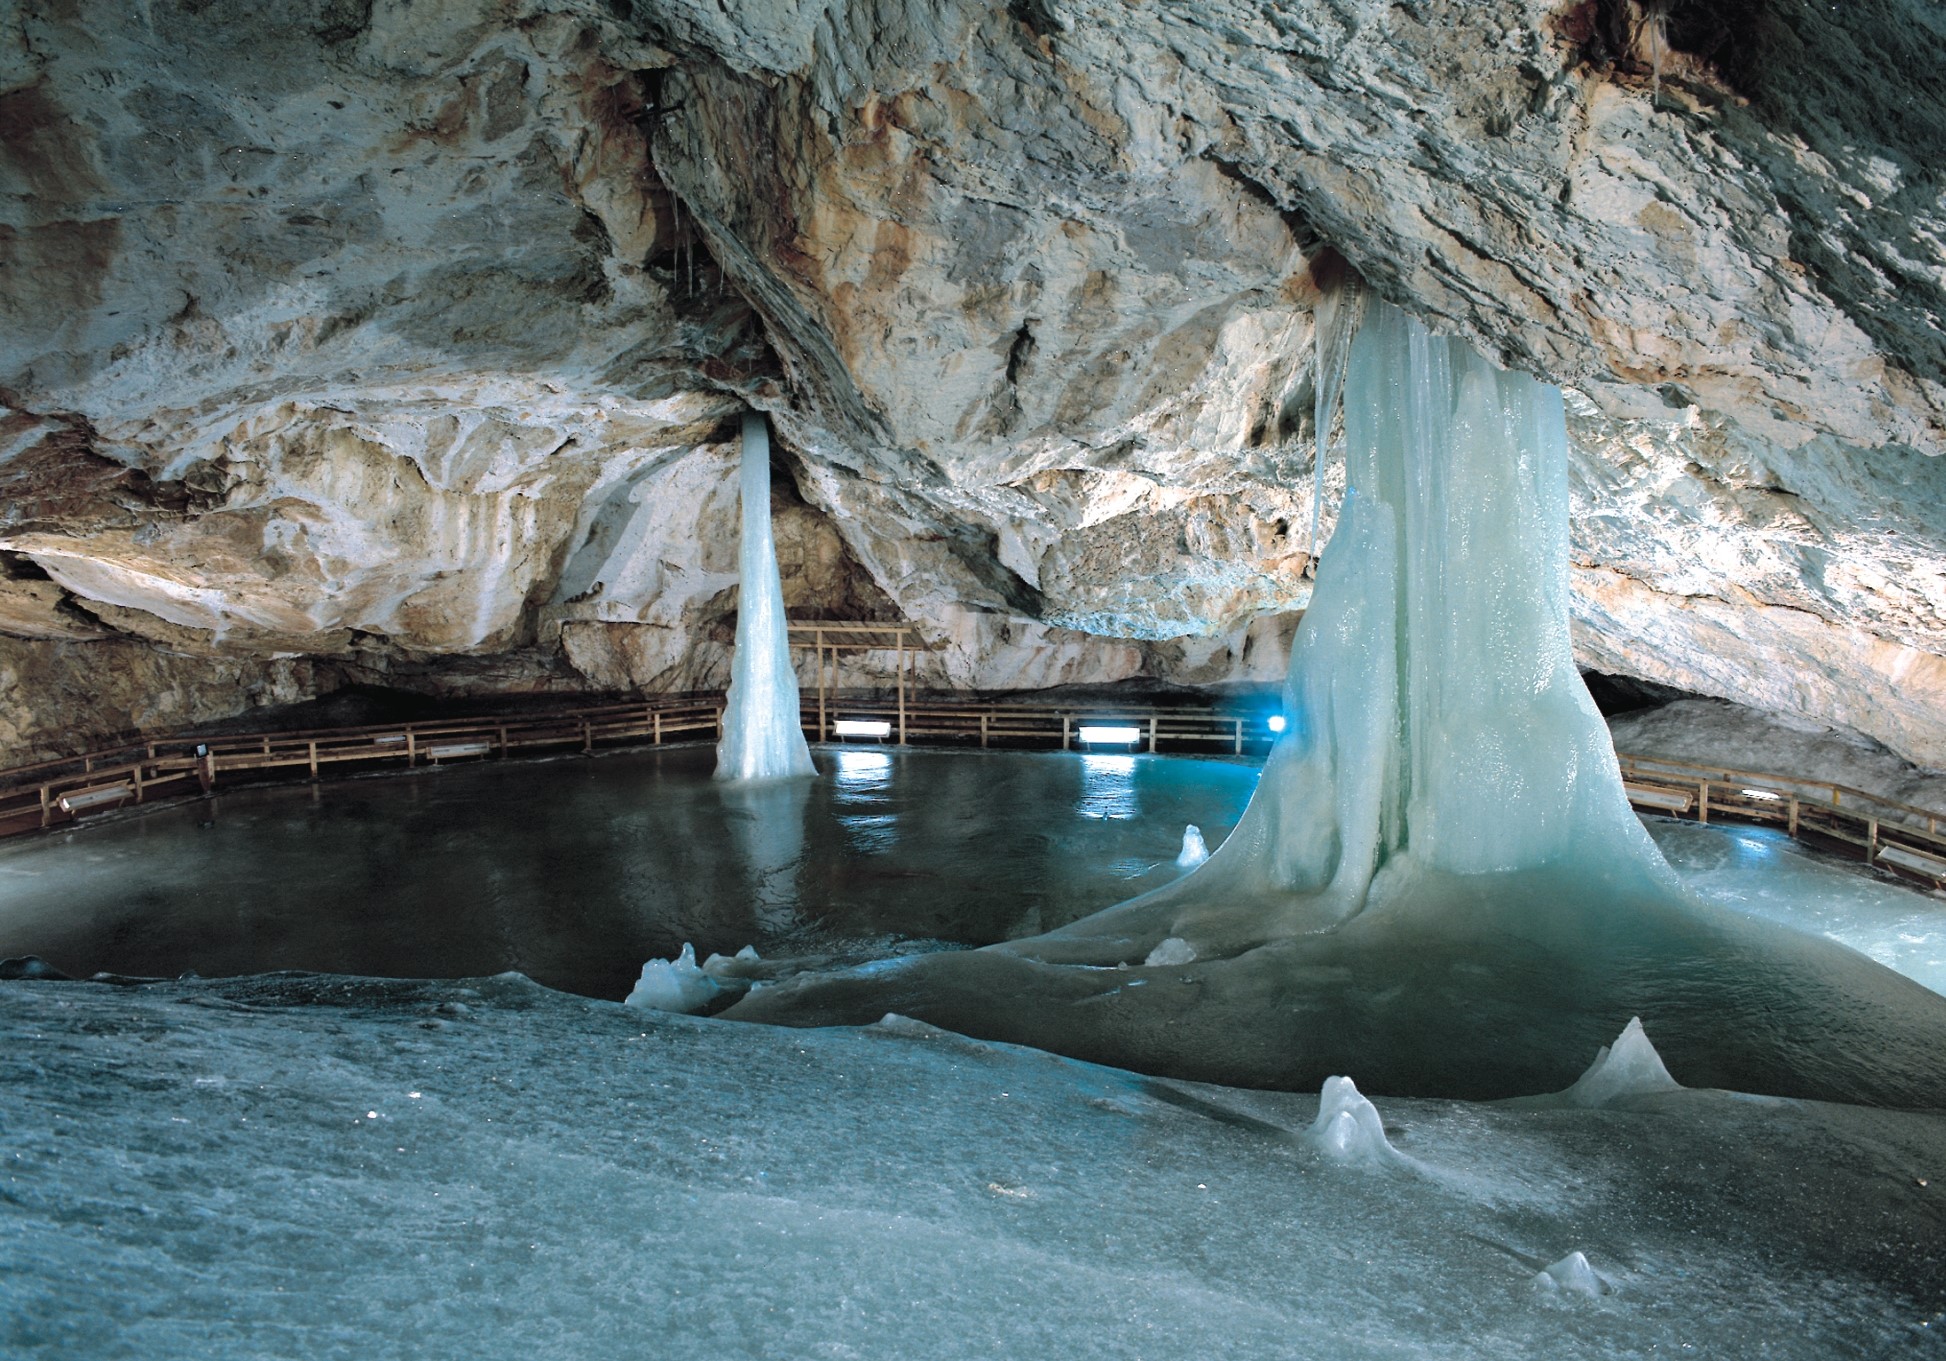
402,340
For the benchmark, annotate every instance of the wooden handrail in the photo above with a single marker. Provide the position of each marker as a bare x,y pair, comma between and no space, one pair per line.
47,793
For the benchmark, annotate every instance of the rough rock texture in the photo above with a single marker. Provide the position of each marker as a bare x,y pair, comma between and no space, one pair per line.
126,687
406,335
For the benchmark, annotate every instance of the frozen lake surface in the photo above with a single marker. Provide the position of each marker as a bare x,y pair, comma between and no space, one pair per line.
293,1165
575,871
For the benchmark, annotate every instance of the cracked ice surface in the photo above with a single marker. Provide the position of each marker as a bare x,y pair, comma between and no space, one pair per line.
304,1166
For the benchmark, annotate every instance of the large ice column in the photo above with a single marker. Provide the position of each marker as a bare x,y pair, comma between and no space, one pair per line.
1499,756
1437,721
762,734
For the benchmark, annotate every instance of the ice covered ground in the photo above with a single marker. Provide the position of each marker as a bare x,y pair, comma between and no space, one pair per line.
1761,872
301,1167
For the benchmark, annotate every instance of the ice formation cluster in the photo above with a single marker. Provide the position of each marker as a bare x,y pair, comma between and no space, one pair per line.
1439,885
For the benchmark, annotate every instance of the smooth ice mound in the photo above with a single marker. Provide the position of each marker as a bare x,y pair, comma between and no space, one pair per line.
1572,1276
1348,1128
1194,849
763,734
1439,883
677,984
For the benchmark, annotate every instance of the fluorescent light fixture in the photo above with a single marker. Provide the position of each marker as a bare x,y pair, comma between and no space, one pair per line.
451,749
1275,723
89,798
1091,733
861,727
1760,794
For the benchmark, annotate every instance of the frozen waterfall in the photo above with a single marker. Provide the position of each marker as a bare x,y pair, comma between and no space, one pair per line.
1439,886
762,734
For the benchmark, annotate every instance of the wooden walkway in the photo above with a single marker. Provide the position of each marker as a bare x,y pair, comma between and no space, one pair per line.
1897,837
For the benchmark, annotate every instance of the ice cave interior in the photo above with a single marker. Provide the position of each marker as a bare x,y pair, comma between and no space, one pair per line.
919,678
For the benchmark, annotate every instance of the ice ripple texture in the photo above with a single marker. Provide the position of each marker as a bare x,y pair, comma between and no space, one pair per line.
301,1166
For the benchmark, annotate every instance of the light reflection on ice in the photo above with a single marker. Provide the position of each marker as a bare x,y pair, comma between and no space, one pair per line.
1108,788
861,774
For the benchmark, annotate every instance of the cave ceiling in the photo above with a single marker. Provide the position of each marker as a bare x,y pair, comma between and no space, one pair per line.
388,340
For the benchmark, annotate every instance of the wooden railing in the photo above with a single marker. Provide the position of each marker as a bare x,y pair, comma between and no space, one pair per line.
54,792
1899,837
51,793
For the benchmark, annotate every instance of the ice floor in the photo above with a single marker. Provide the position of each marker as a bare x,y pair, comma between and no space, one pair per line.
1760,871
321,1168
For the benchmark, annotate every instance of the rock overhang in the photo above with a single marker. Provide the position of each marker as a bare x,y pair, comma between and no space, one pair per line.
397,314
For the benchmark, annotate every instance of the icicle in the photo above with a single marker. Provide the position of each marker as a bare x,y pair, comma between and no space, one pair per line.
1339,311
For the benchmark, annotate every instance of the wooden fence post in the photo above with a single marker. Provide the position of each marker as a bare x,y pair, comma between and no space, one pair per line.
1702,801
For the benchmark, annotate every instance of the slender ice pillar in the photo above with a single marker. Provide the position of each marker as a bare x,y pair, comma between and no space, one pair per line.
762,734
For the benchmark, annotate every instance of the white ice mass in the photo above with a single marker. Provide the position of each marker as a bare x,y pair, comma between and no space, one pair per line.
1626,1069
1348,1128
1572,1276
1194,850
763,737
678,984
1174,950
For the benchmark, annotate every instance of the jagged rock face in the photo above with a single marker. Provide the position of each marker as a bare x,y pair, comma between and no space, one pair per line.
406,337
